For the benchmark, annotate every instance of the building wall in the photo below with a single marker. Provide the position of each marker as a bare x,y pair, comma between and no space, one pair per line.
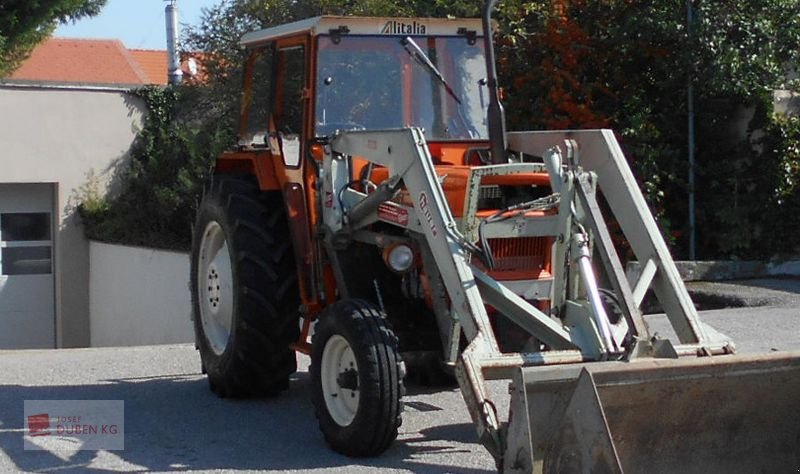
139,296
60,135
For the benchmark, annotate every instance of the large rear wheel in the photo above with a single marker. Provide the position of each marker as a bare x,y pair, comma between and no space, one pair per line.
244,289
357,379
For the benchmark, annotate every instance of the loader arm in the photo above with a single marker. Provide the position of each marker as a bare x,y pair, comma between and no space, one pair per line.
405,154
600,153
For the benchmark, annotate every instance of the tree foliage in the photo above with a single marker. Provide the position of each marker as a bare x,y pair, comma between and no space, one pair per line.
625,64
26,23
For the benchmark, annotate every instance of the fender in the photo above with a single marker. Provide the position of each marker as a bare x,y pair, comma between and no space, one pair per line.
257,163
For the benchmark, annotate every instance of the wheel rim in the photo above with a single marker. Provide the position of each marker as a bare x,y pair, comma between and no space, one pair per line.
339,375
215,287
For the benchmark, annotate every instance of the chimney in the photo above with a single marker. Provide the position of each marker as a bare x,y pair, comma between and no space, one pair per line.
173,59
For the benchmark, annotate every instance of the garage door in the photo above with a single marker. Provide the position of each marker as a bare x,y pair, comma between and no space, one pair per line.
27,298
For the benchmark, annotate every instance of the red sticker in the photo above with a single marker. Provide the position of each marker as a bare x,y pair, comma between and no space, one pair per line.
390,213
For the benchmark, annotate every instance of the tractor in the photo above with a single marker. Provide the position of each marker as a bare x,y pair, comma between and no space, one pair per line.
377,216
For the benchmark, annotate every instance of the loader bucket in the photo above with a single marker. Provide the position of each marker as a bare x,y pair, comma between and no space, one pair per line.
722,414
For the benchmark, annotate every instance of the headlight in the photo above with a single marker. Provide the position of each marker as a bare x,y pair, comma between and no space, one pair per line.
398,257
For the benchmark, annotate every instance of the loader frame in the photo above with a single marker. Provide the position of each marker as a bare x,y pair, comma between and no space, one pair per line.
574,332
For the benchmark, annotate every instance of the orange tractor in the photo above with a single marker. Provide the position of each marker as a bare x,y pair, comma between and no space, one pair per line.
376,210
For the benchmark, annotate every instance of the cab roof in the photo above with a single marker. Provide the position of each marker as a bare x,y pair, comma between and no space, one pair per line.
377,26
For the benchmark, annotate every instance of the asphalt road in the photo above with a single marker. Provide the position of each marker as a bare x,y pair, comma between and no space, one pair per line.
174,423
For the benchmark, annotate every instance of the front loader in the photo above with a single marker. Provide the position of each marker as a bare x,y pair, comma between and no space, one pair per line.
378,217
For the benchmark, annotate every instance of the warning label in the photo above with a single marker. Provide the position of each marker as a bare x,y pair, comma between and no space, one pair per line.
390,213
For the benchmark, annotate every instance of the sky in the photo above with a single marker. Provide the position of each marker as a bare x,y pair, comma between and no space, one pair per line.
138,23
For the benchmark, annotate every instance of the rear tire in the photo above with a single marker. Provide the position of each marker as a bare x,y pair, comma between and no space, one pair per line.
244,289
357,379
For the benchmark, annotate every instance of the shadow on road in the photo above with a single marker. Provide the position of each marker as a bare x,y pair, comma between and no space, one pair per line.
176,423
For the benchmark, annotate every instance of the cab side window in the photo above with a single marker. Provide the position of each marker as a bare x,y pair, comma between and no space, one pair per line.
289,116
257,98
290,103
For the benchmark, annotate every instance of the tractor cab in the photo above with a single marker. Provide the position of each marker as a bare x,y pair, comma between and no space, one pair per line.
308,80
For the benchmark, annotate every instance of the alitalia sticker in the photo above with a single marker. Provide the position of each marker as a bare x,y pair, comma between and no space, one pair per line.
394,214
395,27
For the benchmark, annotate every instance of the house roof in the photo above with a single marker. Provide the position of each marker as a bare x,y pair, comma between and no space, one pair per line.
153,63
81,61
92,62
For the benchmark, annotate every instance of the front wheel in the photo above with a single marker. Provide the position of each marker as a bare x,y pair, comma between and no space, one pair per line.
357,379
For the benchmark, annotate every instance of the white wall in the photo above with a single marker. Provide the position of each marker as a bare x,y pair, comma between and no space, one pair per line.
58,135
138,296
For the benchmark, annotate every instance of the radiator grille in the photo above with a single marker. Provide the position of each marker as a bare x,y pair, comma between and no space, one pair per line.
490,191
525,254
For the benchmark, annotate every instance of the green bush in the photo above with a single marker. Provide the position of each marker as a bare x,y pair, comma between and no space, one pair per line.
780,166
170,161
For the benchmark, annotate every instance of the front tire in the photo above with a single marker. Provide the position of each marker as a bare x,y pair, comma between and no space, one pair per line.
244,289
357,379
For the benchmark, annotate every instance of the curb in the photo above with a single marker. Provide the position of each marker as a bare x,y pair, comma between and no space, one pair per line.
718,270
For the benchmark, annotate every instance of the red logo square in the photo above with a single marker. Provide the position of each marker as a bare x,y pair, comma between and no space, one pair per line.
39,425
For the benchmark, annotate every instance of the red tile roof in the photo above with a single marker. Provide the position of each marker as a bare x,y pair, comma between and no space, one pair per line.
93,61
154,64
81,61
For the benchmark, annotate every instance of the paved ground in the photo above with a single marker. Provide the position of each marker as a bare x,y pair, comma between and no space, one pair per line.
173,423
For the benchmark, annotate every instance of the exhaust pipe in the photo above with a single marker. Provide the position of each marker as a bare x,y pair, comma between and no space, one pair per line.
496,119
173,60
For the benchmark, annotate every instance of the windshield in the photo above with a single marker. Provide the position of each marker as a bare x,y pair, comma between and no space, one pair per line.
382,82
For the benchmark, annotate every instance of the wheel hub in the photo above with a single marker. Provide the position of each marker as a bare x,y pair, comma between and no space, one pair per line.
348,379
339,377
215,287
214,292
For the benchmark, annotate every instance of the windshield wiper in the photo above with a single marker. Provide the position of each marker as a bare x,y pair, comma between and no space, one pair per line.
416,52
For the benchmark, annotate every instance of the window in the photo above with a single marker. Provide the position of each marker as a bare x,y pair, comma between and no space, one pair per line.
257,99
290,105
25,226
290,115
434,83
25,243
26,260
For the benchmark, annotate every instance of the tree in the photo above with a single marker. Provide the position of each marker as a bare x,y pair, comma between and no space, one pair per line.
625,64
25,23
